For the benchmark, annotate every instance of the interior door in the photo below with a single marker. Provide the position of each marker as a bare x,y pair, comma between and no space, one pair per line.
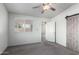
50,31
73,32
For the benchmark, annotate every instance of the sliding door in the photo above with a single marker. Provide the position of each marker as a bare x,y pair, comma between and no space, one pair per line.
73,32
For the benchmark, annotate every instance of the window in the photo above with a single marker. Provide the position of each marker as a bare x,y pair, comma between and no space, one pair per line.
23,26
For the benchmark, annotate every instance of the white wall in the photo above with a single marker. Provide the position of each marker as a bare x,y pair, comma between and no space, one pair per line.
18,38
61,23
3,28
50,31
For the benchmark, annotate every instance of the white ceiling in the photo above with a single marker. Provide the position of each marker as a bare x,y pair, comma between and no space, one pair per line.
26,8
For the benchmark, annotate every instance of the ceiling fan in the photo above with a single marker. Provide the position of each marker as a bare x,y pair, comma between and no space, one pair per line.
45,7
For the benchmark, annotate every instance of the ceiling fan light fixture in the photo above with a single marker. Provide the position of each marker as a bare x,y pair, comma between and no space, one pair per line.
46,7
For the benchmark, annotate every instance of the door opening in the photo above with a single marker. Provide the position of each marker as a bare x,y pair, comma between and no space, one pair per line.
43,32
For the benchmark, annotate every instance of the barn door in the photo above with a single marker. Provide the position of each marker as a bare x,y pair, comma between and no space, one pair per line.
73,32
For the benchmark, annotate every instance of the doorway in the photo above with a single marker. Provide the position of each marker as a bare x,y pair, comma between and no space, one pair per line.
43,32
51,32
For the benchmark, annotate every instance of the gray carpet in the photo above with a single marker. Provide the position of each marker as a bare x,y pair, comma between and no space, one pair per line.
39,49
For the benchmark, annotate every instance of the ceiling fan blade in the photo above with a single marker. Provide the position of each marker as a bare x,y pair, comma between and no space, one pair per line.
43,4
42,11
36,7
53,9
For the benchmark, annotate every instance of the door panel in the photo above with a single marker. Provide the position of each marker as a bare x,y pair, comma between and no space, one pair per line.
50,31
72,32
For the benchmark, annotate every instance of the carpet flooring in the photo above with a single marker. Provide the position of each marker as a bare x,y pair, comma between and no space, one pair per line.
39,49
